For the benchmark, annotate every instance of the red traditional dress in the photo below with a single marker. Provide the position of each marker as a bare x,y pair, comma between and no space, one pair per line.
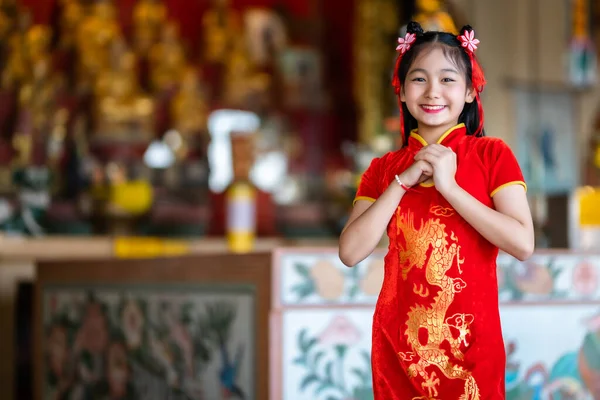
436,328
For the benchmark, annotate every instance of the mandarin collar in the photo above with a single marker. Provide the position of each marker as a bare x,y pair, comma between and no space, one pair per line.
450,137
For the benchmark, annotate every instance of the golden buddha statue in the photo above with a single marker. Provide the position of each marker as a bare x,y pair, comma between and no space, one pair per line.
167,59
37,41
17,69
188,108
37,98
94,38
242,78
220,26
148,17
433,17
71,17
124,112
118,50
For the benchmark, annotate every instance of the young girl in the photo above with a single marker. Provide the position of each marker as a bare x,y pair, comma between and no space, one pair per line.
449,198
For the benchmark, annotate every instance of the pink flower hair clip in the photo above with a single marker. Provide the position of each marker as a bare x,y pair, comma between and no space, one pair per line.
405,42
468,41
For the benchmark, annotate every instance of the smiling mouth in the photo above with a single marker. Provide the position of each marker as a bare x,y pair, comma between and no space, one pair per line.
432,109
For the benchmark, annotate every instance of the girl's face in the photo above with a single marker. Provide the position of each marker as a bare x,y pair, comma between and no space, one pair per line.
435,90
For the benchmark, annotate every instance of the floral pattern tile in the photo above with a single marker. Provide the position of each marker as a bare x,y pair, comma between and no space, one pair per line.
546,360
170,341
320,278
329,358
550,310
326,353
549,277
317,278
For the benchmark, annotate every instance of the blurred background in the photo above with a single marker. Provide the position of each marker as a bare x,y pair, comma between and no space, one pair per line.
174,175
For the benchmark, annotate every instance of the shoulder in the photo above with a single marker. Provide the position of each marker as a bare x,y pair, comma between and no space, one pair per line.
388,158
487,148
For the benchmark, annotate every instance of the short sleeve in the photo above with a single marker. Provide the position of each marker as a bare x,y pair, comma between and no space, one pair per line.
503,167
369,187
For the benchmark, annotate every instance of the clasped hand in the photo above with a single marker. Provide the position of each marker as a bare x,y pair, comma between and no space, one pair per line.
443,164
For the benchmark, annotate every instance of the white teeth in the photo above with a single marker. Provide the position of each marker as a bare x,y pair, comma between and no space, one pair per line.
433,107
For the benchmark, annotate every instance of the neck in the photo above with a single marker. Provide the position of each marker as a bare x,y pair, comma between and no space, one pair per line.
432,134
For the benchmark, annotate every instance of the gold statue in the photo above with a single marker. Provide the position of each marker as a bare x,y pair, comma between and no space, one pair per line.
37,99
36,108
38,43
124,112
70,19
148,17
118,58
167,59
94,38
221,25
433,17
17,69
188,109
242,80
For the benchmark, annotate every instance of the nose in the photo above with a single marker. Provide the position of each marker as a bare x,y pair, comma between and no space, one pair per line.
433,90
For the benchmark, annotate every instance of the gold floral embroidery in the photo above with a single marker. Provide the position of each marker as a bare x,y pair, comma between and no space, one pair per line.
444,253
441,211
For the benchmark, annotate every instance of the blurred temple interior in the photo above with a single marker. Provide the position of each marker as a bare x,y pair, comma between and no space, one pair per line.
175,174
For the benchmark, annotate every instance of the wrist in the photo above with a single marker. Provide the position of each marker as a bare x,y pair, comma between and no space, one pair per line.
450,190
402,183
395,188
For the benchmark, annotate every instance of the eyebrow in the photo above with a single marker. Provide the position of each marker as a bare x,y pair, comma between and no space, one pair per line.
424,71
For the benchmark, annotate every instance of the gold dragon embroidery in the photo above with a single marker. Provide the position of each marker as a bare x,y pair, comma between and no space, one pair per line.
432,318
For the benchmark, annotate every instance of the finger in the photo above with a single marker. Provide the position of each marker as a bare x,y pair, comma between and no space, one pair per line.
419,155
430,158
424,178
439,149
426,167
431,150
444,150
428,155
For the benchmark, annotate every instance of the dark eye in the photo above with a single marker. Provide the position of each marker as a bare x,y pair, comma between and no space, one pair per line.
447,80
418,80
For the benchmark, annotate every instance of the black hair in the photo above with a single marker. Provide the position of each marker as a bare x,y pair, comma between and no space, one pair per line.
453,50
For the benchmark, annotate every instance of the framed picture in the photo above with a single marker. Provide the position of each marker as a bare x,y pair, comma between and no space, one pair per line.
185,328
301,68
547,145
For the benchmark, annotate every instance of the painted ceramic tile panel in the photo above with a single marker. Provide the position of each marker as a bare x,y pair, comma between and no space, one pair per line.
142,342
326,353
544,277
320,278
546,360
328,358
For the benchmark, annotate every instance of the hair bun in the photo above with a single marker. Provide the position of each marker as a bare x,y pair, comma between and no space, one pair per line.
414,27
466,28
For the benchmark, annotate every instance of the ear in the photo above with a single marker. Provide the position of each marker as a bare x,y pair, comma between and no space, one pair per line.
470,95
402,95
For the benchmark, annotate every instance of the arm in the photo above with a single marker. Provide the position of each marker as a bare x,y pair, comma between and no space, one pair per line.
509,226
368,221
366,225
